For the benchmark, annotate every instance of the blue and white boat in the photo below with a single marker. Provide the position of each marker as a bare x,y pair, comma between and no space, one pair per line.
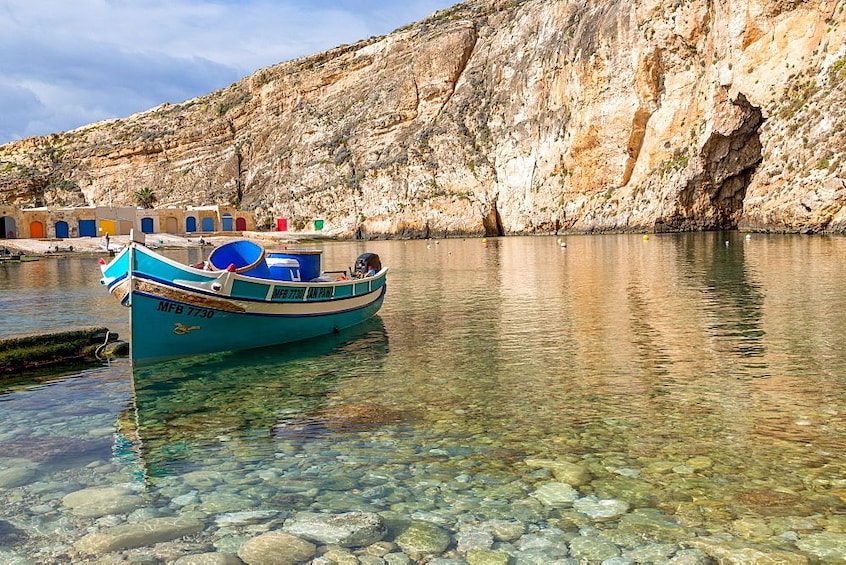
240,298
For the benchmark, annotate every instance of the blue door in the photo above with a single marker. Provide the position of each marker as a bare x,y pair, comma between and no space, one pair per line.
226,220
62,230
208,224
147,225
87,228
190,224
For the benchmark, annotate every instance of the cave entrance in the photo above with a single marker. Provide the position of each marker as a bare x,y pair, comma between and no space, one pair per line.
492,222
712,197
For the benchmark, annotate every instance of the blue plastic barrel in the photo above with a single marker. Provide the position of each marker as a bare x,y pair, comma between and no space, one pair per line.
283,268
309,261
243,256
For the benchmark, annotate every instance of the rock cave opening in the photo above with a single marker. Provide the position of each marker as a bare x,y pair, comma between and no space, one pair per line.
492,222
712,196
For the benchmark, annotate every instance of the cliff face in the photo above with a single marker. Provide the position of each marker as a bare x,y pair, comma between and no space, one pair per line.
502,116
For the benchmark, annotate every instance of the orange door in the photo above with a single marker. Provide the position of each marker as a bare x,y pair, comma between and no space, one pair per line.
36,230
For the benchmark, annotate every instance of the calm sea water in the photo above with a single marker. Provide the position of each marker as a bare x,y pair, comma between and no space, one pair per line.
700,379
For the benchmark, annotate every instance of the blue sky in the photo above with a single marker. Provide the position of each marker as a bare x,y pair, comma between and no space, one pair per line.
65,63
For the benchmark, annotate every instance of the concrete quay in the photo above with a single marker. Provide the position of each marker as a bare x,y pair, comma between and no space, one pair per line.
22,352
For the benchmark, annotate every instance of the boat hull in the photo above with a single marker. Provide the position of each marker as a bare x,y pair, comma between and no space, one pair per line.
178,311
163,328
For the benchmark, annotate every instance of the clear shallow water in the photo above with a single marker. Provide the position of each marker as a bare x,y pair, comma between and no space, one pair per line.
702,383
51,294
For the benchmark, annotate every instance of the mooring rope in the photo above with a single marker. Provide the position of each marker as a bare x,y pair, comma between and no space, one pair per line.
101,347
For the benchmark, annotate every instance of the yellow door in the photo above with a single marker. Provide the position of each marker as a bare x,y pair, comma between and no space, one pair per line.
108,227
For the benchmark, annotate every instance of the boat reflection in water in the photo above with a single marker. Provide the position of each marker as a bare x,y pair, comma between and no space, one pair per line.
189,412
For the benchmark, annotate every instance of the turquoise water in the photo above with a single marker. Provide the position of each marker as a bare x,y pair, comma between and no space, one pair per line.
695,383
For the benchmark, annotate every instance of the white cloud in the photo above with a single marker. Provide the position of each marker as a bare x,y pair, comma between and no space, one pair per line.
66,64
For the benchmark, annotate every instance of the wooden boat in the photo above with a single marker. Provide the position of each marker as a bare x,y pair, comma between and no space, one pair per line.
240,298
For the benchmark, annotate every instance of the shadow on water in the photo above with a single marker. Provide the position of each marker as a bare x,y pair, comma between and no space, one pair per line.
239,401
41,376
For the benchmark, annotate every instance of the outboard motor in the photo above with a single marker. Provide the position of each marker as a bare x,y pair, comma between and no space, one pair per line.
365,263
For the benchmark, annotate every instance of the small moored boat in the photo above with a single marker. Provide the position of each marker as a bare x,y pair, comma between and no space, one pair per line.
240,298
7,256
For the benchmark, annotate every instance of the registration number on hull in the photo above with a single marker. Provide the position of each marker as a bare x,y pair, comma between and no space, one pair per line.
191,311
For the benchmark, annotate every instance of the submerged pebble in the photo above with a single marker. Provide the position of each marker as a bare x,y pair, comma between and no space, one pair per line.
413,515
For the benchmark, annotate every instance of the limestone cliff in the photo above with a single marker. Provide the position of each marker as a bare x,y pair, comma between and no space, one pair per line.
502,116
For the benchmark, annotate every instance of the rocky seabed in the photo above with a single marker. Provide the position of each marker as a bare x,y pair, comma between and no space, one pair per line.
286,511
79,490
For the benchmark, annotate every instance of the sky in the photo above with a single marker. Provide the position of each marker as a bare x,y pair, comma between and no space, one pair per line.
64,64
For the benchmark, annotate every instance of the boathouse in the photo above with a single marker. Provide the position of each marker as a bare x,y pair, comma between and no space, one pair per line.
96,221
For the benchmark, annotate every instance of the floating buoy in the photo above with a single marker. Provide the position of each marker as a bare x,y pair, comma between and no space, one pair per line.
645,238
748,237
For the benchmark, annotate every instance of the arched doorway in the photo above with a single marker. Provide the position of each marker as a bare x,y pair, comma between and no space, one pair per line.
147,225
240,224
190,224
208,224
226,222
171,225
62,229
8,229
36,229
